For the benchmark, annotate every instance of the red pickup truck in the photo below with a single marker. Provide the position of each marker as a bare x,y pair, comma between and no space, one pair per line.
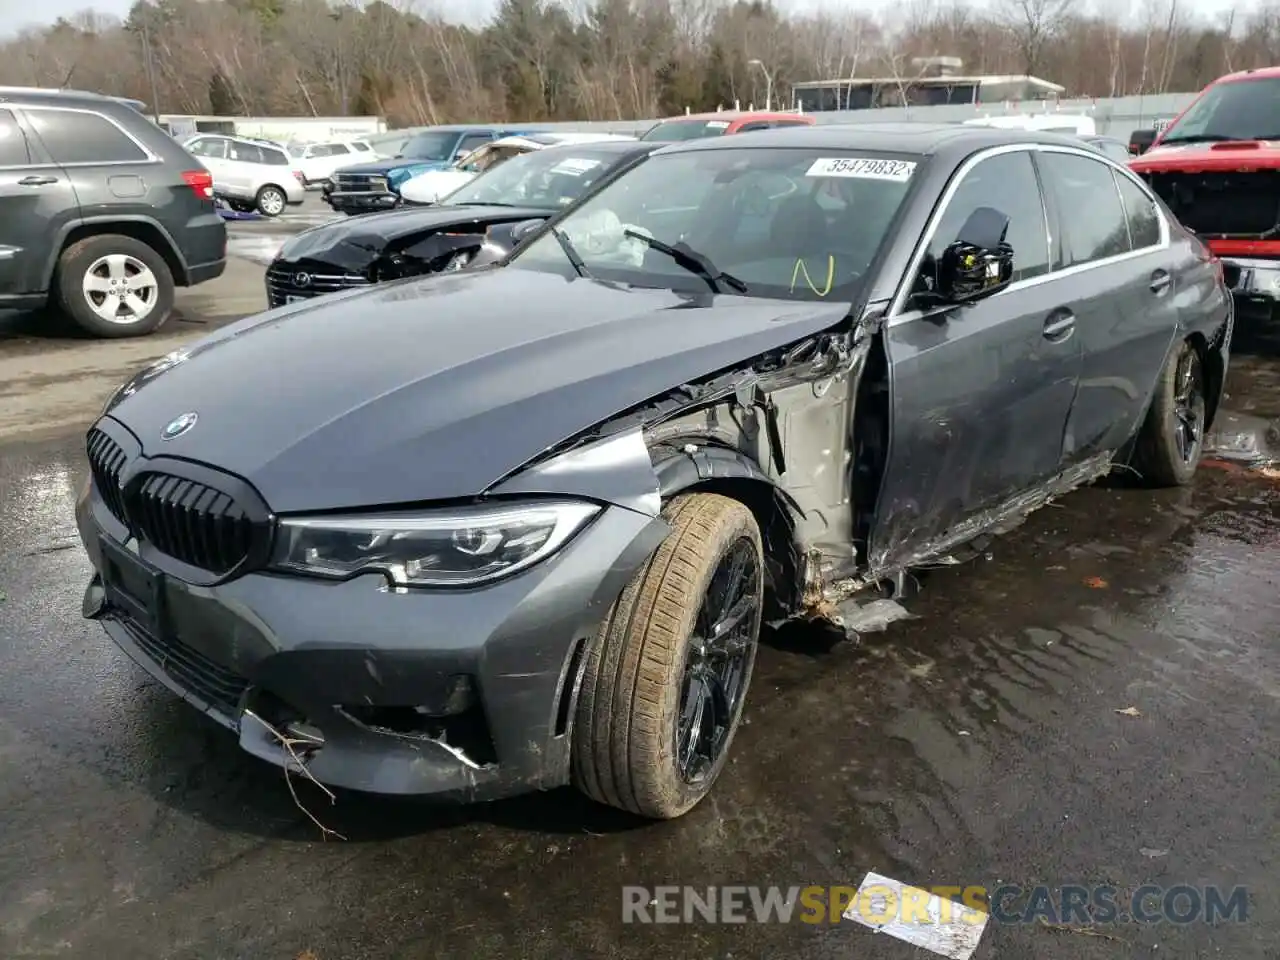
1217,166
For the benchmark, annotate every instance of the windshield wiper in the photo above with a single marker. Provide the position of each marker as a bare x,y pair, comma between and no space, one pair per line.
571,252
696,262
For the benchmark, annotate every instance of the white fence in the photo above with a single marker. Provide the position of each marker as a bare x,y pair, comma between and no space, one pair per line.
1115,117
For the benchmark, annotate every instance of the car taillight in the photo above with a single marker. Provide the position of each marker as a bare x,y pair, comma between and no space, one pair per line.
201,181
297,175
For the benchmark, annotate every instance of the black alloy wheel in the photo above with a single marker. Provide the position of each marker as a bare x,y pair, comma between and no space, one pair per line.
717,663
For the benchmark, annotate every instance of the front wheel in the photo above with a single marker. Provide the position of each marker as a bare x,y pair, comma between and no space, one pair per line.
1172,436
665,681
271,201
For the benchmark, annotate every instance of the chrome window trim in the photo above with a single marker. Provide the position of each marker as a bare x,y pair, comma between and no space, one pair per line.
898,314
29,108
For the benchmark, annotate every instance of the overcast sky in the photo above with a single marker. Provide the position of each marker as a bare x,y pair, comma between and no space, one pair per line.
14,14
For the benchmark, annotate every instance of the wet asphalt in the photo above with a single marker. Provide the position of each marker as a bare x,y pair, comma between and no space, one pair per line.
978,743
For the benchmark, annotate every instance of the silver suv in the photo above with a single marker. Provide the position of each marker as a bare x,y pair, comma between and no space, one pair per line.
250,174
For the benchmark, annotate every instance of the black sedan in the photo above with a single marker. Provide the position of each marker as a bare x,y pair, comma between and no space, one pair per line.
487,214
494,531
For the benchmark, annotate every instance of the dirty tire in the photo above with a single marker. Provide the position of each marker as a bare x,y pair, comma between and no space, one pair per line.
625,726
271,201
1157,456
75,264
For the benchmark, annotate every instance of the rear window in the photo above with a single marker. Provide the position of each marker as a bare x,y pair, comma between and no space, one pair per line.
672,130
79,136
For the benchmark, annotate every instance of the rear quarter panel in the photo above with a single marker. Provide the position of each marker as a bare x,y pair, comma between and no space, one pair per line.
151,192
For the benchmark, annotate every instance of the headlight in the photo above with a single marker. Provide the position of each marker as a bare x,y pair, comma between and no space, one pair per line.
460,547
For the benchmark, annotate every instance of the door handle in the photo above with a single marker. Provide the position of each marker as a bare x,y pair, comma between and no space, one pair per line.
36,181
1160,281
1059,324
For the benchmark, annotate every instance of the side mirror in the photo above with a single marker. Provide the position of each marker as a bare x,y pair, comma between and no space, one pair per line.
524,228
979,262
1140,141
968,272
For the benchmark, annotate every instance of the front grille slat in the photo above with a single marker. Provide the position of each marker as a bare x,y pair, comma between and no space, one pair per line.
1216,204
106,460
281,282
191,522
216,685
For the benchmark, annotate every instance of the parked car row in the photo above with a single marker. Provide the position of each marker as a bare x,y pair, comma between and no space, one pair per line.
547,454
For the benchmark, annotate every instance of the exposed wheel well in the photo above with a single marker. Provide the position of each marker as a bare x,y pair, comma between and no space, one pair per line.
870,427
783,567
139,230
1214,372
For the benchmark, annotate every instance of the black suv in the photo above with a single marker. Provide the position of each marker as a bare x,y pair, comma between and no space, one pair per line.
100,211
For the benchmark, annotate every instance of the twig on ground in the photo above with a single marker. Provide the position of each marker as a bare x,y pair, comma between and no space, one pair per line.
1082,931
290,744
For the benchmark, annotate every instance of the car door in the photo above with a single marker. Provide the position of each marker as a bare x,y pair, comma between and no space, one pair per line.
37,200
980,393
211,152
1115,249
243,168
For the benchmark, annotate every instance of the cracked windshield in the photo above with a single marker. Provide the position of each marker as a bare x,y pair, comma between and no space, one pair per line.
778,223
544,179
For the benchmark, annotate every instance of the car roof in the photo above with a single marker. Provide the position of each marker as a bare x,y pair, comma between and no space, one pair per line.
510,129
1259,73
734,115
620,147
920,138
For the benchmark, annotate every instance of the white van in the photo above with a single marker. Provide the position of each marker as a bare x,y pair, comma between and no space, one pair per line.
1076,124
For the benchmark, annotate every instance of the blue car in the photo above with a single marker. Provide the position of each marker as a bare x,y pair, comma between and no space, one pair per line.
367,187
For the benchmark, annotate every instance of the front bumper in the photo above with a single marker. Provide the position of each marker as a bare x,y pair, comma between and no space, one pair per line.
1252,281
361,202
341,667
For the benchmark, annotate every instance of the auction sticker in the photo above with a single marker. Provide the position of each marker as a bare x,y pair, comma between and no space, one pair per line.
575,165
863,168
717,124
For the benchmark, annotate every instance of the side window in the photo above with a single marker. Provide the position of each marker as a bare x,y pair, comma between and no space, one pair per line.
756,125
275,158
244,152
1007,184
77,136
472,141
361,146
338,149
1094,225
13,142
1142,213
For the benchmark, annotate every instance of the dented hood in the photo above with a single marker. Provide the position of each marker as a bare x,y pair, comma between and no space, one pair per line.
436,388
363,238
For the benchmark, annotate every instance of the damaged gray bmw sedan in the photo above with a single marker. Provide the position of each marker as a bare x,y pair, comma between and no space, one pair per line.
483,533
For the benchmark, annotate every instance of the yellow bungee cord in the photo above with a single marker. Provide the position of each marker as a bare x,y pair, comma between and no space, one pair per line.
801,268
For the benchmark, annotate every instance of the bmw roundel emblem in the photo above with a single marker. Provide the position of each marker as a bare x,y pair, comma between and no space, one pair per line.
179,426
